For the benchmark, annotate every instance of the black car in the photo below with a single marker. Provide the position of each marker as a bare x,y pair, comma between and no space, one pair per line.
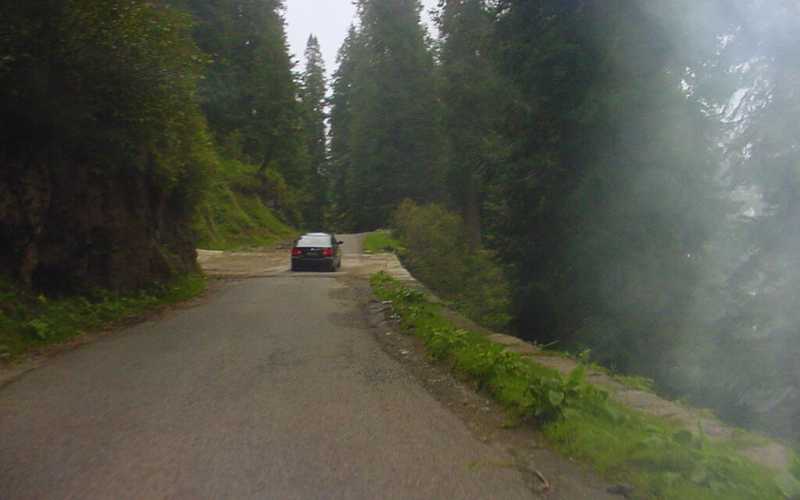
317,250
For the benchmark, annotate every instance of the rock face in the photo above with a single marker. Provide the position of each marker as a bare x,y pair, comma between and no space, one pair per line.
66,227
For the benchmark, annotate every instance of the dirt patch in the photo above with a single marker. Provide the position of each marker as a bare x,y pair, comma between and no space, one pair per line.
219,264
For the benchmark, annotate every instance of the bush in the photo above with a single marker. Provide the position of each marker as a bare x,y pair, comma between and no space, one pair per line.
436,251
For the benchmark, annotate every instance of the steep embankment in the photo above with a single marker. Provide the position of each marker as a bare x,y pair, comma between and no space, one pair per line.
234,213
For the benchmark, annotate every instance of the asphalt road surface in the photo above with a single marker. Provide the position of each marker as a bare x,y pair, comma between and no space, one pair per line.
271,388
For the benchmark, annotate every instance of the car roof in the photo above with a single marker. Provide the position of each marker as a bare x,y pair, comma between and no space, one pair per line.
316,234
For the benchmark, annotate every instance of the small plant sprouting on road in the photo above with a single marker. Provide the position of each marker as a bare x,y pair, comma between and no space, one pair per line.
658,458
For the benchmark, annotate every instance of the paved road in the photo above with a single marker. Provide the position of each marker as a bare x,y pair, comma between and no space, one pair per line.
273,388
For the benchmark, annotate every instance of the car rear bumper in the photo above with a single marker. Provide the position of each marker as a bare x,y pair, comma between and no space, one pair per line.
326,262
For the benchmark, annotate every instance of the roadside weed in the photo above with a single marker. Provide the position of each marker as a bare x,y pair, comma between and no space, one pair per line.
30,321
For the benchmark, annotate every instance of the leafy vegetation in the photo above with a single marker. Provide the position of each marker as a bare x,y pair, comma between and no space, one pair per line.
29,321
657,458
436,250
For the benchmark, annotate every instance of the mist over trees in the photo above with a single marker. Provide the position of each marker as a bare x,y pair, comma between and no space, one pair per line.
747,357
631,165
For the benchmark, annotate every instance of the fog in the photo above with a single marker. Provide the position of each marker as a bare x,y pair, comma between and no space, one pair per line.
739,346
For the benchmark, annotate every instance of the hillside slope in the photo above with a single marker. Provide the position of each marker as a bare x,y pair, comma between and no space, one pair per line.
234,214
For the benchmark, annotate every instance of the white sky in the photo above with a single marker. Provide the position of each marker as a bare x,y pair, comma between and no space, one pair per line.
329,20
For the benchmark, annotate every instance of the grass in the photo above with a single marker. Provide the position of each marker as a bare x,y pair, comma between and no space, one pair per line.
381,241
233,221
657,458
29,321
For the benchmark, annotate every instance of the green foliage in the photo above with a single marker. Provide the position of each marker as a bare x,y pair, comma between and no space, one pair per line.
112,81
28,321
249,94
436,251
658,459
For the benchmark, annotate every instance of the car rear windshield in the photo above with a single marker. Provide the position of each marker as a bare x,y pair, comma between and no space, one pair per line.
314,241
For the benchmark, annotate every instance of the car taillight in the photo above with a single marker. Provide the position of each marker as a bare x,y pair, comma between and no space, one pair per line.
296,252
327,252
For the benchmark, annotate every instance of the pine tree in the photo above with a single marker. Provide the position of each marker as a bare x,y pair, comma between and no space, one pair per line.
394,135
249,94
341,167
471,94
313,98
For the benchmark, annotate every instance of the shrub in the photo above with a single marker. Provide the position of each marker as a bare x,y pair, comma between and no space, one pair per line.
436,251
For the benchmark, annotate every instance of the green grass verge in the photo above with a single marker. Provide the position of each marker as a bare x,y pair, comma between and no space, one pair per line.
657,458
29,321
381,241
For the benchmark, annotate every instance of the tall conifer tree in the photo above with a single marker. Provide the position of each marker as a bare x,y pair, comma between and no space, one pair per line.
313,99
470,92
341,167
394,134
249,95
